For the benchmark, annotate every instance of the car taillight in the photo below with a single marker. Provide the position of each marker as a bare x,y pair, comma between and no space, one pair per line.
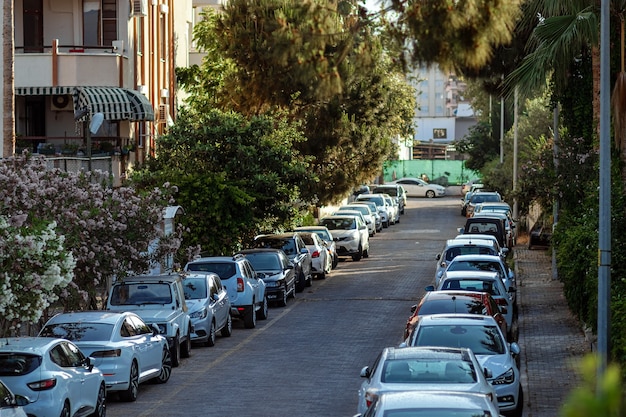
239,284
502,302
112,353
43,384
315,254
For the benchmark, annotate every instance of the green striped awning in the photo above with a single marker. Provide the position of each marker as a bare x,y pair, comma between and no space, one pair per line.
115,103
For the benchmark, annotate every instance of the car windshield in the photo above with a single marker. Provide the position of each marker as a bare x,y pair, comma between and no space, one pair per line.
482,339
393,191
77,332
364,210
15,364
484,198
140,293
195,289
471,285
224,270
452,305
264,261
339,224
378,200
489,266
426,371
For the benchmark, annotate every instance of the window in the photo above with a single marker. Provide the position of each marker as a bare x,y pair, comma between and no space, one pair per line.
33,25
99,22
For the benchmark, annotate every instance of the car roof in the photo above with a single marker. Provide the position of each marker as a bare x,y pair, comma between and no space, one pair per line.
285,235
496,204
101,316
28,344
306,228
213,259
474,257
460,319
259,250
448,294
471,236
469,242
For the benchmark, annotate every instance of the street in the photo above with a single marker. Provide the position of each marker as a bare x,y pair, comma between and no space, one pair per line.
304,360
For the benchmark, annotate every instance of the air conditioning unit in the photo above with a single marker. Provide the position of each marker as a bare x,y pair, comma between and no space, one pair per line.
164,112
140,8
61,102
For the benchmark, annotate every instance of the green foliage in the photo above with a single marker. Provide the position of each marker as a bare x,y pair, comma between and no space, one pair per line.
603,398
480,145
234,176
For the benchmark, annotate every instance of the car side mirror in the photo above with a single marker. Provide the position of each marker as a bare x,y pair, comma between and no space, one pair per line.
515,349
304,250
461,230
88,363
429,288
365,372
413,308
438,257
504,310
290,266
487,372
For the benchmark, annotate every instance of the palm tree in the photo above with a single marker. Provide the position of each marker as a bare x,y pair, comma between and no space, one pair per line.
8,102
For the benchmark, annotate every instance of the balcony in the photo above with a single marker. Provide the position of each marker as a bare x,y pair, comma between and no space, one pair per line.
71,65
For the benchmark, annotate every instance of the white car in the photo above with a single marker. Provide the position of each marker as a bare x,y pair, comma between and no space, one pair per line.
395,209
350,234
457,247
326,236
381,204
209,307
368,216
321,258
125,348
54,376
424,369
417,187
483,336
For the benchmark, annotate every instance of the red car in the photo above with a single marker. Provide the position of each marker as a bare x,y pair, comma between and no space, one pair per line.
453,301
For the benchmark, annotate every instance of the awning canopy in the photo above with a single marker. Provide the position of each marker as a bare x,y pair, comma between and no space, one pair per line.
115,103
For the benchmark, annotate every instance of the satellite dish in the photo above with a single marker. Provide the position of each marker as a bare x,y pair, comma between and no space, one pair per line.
96,122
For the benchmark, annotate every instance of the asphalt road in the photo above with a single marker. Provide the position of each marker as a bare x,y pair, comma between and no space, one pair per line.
305,359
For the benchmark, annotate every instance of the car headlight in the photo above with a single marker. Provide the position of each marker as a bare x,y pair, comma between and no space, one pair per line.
162,328
506,378
200,314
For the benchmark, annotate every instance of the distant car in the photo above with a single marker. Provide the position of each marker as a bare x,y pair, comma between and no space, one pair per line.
510,227
321,260
10,404
244,286
483,225
395,209
375,213
294,247
466,187
54,375
209,307
350,234
431,404
481,197
482,335
125,348
481,281
365,210
276,270
419,369
369,222
417,187
383,208
452,302
396,191
503,251
326,236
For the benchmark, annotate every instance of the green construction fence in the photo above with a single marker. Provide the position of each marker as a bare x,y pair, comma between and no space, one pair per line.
438,171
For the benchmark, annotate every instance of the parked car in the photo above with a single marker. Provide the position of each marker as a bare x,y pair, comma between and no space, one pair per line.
350,234
294,247
126,349
419,369
453,302
157,299
327,237
368,216
11,404
209,307
509,225
374,209
481,281
486,226
321,262
396,191
467,186
503,251
54,376
492,263
371,226
276,270
417,187
381,204
244,286
395,209
481,197
541,233
456,247
482,335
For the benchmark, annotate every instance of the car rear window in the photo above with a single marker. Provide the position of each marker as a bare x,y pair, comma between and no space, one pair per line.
483,340
452,253
339,224
224,270
15,364
140,293
77,332
456,305
471,285
393,191
263,261
420,371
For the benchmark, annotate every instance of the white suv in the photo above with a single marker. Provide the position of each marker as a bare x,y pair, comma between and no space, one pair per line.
384,210
370,221
350,235
245,288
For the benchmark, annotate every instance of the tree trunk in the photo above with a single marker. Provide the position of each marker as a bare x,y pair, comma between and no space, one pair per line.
8,102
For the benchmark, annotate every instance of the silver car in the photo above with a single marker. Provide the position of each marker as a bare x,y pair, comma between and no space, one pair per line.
424,369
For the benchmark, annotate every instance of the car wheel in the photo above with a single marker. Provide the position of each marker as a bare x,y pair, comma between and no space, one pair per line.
366,253
430,194
101,403
130,394
301,282
335,261
293,289
176,352
386,224
210,341
65,412
283,301
185,350
262,313
249,320
357,257
227,330
166,367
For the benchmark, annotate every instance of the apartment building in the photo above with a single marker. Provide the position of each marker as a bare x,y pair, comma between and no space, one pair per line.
97,77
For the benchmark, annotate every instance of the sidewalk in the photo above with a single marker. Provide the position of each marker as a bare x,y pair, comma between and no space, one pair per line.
550,337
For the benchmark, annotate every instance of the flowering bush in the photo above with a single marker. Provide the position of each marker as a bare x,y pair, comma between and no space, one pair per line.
33,264
107,230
